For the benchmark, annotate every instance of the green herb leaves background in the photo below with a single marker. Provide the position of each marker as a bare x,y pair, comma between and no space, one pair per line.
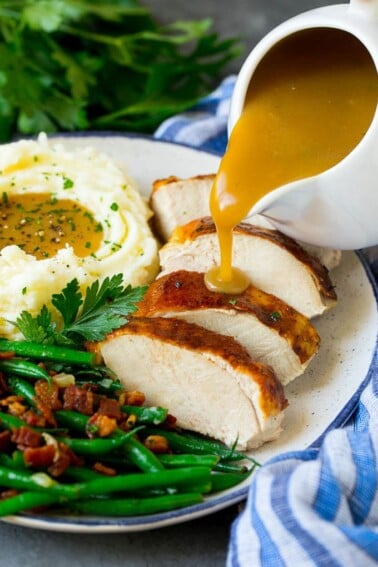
70,65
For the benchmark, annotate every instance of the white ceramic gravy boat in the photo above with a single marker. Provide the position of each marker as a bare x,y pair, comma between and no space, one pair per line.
339,207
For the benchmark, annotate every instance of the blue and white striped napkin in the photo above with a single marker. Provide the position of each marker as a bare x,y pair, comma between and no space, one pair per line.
317,507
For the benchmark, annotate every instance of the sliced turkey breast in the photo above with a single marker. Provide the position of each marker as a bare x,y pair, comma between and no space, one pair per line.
271,331
273,262
176,201
208,381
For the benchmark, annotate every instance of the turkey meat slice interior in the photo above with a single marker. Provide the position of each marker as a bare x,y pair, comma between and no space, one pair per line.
272,261
176,201
272,332
206,380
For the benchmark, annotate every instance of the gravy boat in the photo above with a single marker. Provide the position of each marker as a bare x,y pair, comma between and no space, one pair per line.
337,208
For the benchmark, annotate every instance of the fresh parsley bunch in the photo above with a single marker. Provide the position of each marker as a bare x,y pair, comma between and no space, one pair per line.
103,309
75,64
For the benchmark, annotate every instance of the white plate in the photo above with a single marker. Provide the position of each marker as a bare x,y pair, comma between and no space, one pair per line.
321,399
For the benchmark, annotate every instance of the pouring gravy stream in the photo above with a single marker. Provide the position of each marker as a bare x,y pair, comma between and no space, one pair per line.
310,102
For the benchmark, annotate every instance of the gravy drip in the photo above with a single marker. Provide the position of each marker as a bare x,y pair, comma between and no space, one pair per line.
310,102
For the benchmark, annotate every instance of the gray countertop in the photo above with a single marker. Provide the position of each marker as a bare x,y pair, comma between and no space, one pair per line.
202,542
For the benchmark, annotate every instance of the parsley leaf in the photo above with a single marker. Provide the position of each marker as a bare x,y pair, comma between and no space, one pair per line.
68,302
103,309
101,65
37,329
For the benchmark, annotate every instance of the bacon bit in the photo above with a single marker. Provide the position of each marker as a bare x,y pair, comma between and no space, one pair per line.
25,437
6,355
103,469
14,405
110,408
10,400
131,420
5,494
170,421
157,444
124,425
17,409
46,413
5,438
101,425
134,398
48,394
79,399
64,457
33,419
39,456
121,397
3,385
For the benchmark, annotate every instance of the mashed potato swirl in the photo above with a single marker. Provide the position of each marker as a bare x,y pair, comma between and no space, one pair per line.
94,181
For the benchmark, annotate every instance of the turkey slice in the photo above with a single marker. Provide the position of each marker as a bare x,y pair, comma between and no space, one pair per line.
272,261
206,380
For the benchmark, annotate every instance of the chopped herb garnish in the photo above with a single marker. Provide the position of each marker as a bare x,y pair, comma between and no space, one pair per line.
90,317
275,316
114,206
67,183
89,216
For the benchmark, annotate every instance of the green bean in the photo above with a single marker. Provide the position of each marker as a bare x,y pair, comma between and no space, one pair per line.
97,446
14,461
188,476
24,368
92,447
222,481
8,421
126,483
82,473
24,480
105,385
137,506
188,460
6,461
138,454
22,388
28,499
18,460
152,414
231,468
48,352
190,443
72,420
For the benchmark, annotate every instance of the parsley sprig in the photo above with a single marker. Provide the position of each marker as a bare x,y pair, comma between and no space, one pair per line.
103,308
75,65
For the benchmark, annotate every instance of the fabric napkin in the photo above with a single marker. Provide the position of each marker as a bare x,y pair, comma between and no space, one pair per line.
317,507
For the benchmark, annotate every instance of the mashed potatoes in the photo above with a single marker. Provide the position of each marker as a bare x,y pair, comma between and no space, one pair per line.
63,215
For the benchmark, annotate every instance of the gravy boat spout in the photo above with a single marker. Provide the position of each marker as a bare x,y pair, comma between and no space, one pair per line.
337,208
